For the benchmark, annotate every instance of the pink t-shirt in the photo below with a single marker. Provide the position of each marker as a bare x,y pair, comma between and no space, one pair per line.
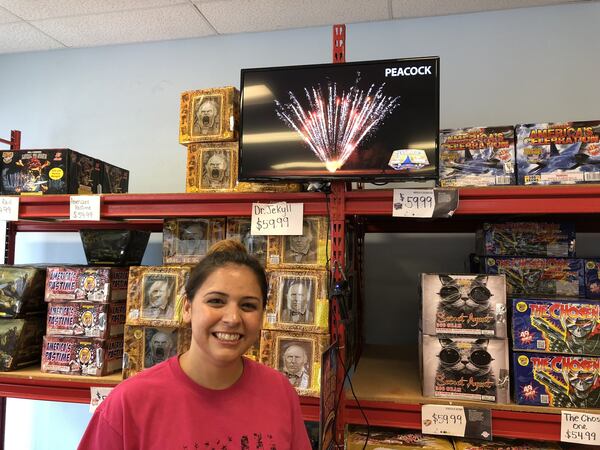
162,408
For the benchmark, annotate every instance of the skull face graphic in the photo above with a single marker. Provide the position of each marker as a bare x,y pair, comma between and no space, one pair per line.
207,116
215,171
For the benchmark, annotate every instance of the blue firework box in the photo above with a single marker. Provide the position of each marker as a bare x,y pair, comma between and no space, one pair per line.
477,156
563,381
592,278
558,152
539,277
556,326
544,239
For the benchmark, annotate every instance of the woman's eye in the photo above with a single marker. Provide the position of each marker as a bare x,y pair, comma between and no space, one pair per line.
249,306
215,301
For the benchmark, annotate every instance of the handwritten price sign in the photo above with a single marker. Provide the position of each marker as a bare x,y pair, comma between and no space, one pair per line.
277,219
580,428
413,203
9,208
97,396
444,420
85,207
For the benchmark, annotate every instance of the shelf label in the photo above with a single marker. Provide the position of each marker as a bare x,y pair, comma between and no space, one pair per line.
9,208
472,423
3,239
283,219
85,207
97,396
580,428
439,202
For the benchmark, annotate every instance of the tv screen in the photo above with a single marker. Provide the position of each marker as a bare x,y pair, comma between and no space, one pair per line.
374,120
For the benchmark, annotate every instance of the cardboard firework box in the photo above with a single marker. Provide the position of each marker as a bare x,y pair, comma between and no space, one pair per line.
463,304
238,228
562,381
212,167
504,444
114,180
558,153
543,239
146,346
556,326
391,439
305,251
86,284
85,319
20,342
297,301
49,171
479,156
114,247
209,115
156,295
466,368
72,355
539,277
592,278
188,240
21,291
297,356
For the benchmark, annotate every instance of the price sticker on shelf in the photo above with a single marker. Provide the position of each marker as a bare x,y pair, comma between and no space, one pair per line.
97,396
413,203
283,219
9,208
85,207
446,420
580,428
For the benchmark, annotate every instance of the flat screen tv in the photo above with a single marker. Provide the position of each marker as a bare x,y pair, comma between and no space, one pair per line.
372,120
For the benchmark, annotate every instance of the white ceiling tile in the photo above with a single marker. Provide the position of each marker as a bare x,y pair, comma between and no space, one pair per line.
429,8
22,37
45,9
173,22
238,16
6,17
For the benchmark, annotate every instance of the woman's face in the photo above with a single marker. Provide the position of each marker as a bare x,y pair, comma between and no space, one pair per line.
226,315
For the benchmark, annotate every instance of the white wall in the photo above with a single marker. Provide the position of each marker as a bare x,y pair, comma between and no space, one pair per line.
122,103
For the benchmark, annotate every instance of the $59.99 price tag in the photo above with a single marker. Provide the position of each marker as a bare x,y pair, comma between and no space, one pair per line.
413,203
277,219
444,420
580,428
9,208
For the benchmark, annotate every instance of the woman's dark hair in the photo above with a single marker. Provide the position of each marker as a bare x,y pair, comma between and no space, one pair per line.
221,254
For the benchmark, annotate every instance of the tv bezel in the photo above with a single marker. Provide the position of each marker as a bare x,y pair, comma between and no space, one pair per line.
397,177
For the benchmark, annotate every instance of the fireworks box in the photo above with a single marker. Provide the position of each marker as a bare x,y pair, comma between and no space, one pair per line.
542,239
556,326
505,444
20,342
188,240
86,284
114,247
463,304
592,278
71,355
21,290
391,439
99,320
481,156
148,346
558,153
465,368
562,381
212,167
238,228
115,180
539,277
209,115
297,356
298,301
305,251
156,295
52,171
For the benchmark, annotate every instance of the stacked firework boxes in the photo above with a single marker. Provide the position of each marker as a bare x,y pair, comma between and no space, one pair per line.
296,320
86,313
555,328
538,153
208,127
463,343
22,309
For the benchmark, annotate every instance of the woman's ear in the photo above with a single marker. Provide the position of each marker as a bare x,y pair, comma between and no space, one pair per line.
187,311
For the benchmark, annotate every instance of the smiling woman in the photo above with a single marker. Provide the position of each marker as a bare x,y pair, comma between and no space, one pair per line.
211,395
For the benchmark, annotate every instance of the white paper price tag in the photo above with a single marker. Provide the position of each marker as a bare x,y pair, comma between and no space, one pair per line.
97,396
9,208
85,207
284,219
580,428
443,419
413,203
3,239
